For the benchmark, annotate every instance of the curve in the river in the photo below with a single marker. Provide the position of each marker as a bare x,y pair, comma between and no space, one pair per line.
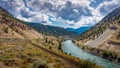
70,48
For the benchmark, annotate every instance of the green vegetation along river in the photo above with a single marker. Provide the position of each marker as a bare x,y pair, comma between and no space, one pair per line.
70,48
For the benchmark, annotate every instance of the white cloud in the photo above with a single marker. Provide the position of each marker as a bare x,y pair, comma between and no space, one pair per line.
12,6
108,6
74,13
84,20
97,15
34,16
38,17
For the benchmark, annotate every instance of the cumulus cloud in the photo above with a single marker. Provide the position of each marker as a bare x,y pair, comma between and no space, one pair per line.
12,6
73,13
106,6
31,16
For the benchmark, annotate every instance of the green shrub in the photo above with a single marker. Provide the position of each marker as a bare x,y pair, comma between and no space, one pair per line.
9,62
5,29
39,64
106,54
87,64
50,47
118,59
4,16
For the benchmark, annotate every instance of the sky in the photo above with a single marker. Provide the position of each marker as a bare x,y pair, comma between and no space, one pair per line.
63,13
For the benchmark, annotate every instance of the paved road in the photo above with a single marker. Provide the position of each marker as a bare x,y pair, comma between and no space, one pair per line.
107,34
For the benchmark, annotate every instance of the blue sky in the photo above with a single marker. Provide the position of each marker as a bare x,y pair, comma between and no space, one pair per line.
63,13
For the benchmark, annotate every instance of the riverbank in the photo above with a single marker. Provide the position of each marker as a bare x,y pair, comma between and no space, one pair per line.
109,55
71,59
70,48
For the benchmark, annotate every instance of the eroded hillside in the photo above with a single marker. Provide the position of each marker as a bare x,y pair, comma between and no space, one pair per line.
103,39
104,34
13,28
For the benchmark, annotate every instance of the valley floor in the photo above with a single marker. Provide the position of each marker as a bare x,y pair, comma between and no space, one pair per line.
22,54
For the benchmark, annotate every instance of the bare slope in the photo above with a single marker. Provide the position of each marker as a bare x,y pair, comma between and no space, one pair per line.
13,28
104,35
102,38
109,20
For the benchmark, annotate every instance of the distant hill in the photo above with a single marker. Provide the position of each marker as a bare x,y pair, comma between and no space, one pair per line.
11,27
104,35
79,30
112,19
52,30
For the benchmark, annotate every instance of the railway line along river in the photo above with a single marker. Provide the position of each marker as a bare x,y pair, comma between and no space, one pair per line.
70,48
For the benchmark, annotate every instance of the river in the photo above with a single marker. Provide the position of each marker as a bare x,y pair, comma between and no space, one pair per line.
70,48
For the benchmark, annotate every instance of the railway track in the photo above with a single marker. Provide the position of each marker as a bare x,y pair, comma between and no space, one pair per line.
72,61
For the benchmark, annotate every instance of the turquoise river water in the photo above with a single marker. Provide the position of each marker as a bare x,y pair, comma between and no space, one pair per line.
70,48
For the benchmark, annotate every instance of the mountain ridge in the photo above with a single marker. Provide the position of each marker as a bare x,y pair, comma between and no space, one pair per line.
110,19
52,30
79,30
103,39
